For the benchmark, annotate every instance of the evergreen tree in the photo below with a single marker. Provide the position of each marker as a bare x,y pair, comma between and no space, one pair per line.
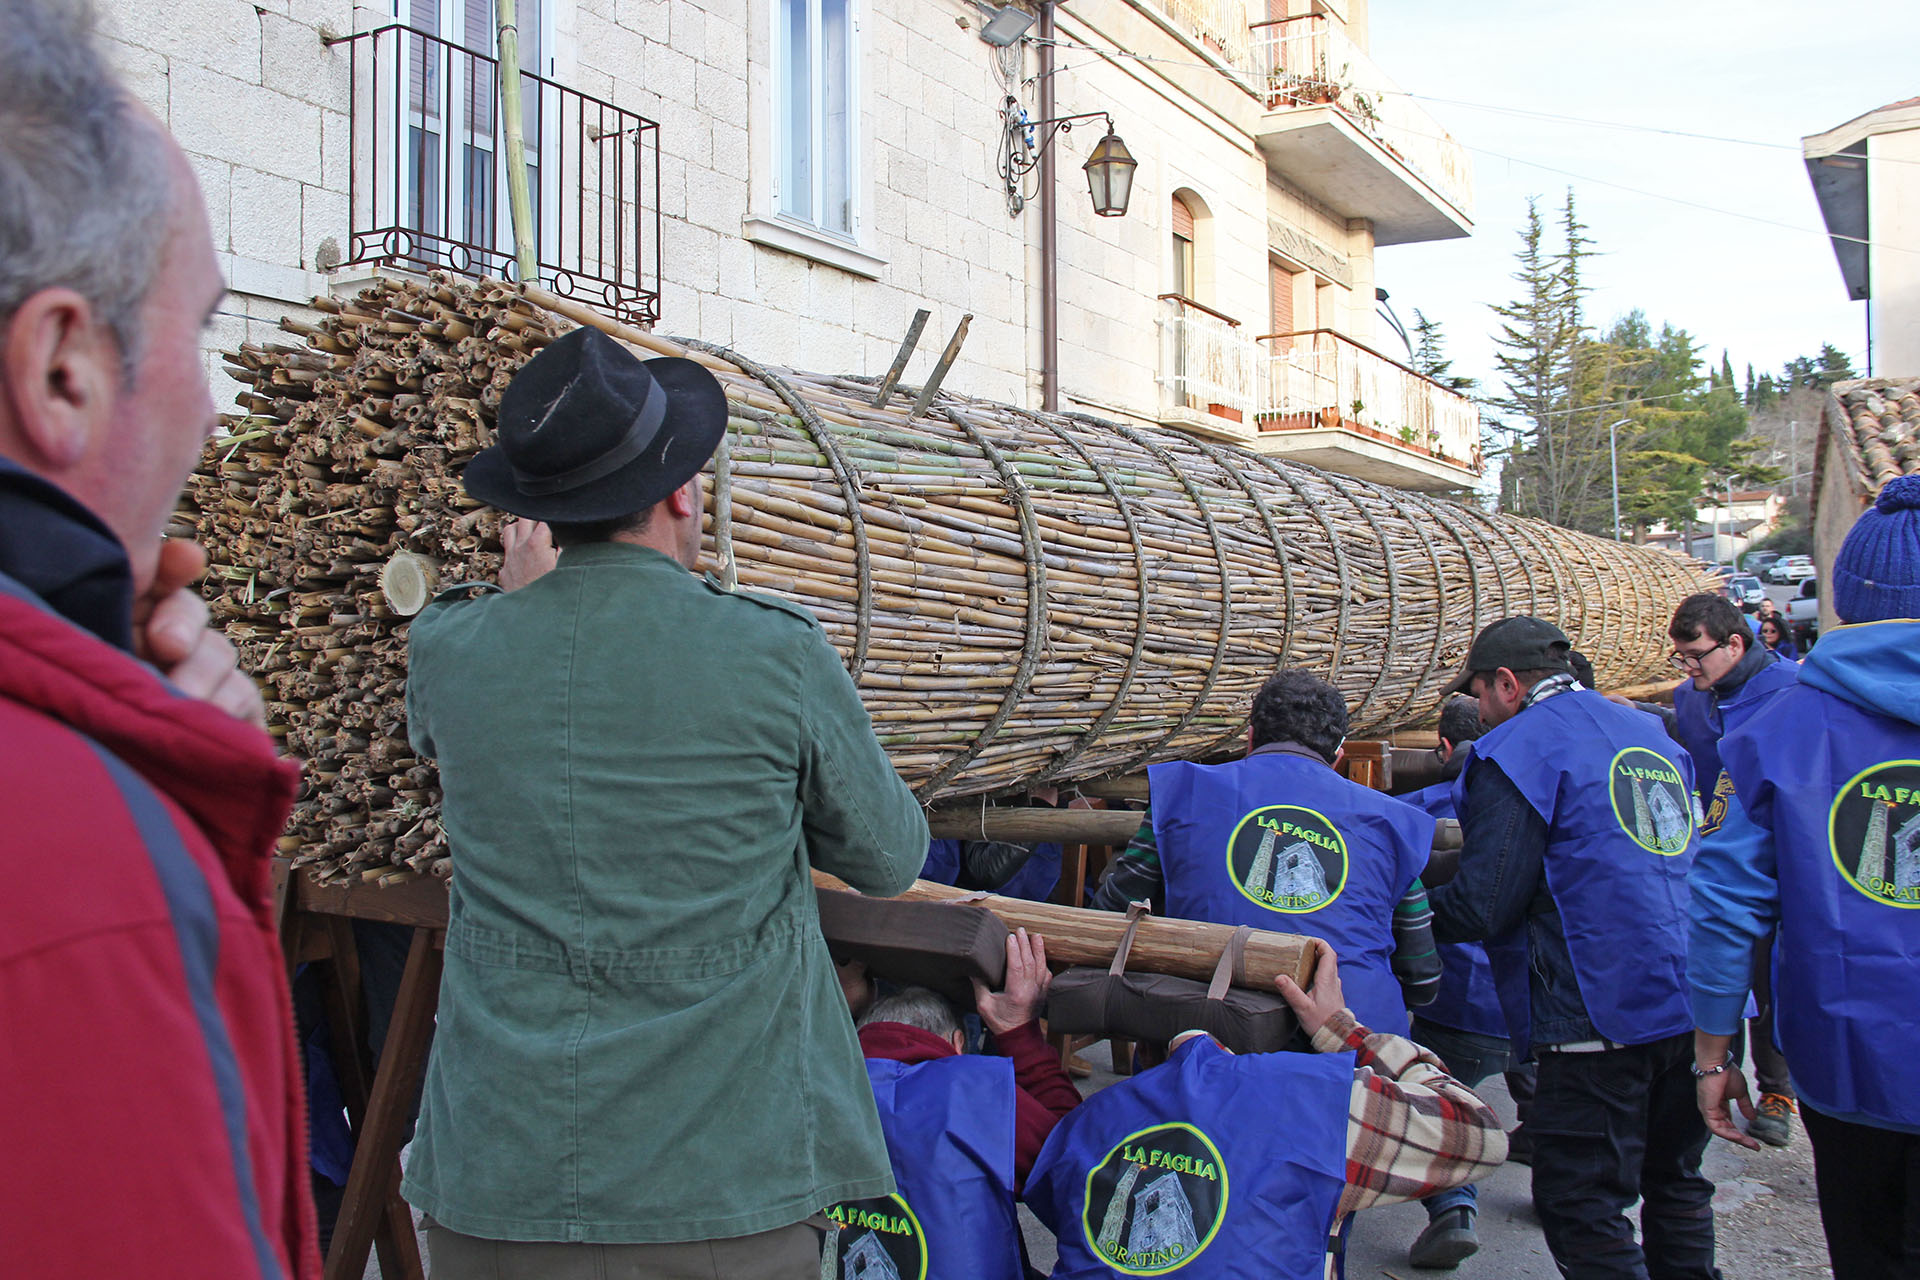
1430,355
1535,358
1834,366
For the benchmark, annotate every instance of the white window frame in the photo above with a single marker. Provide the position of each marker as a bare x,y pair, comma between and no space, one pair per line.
452,219
819,196
767,223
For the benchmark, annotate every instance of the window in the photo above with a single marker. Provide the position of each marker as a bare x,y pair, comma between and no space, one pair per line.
1184,282
453,188
1280,306
816,106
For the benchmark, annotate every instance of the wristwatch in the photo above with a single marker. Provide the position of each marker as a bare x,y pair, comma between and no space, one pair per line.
1701,1073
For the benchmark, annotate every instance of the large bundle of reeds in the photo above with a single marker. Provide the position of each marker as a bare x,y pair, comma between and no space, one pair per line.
1023,598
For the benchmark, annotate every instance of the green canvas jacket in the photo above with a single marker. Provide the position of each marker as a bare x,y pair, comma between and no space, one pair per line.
640,1034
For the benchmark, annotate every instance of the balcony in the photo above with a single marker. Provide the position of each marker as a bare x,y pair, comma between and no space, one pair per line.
1219,26
1336,127
1329,401
1209,371
429,177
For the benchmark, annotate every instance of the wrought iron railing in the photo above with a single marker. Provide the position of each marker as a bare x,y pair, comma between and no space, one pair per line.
1319,378
1310,60
1207,364
428,186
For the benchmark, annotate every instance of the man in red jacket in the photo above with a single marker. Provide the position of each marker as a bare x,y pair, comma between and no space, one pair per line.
152,1123
916,1025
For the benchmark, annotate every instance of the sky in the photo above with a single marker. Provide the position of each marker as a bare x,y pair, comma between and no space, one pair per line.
1759,70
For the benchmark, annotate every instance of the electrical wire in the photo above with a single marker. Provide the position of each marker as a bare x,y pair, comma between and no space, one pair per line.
1107,54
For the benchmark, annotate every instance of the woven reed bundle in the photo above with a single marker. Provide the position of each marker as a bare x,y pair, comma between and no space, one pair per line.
1023,598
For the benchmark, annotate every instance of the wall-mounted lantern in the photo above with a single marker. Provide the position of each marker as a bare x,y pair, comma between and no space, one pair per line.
1109,169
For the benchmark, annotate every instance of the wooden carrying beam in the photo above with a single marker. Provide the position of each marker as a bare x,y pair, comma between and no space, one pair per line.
1183,948
1115,827
1024,825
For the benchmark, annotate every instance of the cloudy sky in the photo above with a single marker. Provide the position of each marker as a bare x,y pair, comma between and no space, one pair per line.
1764,71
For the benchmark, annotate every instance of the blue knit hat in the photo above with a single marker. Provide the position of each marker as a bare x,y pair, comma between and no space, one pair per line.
1877,573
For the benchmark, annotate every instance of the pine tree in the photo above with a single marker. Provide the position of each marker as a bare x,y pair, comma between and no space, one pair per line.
1560,447
1430,355
1834,366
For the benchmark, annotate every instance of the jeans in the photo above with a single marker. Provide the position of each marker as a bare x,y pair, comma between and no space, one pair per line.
1612,1127
1868,1180
1769,1064
1470,1058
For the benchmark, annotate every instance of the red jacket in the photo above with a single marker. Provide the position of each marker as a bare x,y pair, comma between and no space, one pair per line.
151,1121
1043,1096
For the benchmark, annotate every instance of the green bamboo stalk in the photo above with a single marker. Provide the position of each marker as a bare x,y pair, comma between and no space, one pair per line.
519,198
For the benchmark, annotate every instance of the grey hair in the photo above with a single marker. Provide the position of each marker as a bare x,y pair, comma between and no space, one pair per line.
916,1007
85,191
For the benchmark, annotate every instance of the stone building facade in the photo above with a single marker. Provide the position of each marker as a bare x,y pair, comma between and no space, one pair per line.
827,167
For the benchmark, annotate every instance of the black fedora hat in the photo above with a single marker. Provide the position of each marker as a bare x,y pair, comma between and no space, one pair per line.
588,431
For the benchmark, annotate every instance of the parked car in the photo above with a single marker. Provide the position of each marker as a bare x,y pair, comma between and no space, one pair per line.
1758,561
1803,614
1791,569
1746,591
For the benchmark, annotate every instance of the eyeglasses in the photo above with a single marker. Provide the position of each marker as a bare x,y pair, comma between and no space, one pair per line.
1691,661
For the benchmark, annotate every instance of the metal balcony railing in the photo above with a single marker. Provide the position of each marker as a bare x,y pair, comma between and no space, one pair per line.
1310,60
1319,378
1206,364
428,185
1218,25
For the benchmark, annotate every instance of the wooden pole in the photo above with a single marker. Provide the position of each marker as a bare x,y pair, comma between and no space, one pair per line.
947,357
907,345
526,254
1023,825
1132,787
1183,948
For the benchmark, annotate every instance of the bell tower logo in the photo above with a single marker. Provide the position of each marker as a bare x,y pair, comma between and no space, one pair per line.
1651,802
1873,830
1156,1201
1287,858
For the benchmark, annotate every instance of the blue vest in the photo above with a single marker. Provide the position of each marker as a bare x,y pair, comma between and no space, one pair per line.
1617,796
1210,1165
1839,787
1034,880
1467,999
949,1126
943,862
1279,842
1701,719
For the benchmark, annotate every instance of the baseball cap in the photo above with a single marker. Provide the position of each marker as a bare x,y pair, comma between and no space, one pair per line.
1518,644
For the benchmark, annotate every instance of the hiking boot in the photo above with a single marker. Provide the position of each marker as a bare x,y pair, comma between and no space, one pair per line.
1772,1121
1448,1239
1519,1145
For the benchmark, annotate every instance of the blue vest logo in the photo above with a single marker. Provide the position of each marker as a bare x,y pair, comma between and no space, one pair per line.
1650,801
875,1239
1286,858
1156,1201
1723,796
1873,829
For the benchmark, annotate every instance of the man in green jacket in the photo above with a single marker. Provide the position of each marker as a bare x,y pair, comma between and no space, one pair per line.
643,1064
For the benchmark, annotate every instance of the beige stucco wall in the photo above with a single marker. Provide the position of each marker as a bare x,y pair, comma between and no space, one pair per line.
261,106
1893,218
